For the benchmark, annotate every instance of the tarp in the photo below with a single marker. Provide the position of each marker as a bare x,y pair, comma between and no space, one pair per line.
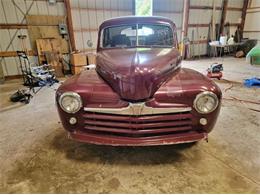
253,82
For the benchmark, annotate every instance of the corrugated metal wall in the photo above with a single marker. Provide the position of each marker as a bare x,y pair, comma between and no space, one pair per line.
199,14
12,12
172,9
252,24
87,15
234,16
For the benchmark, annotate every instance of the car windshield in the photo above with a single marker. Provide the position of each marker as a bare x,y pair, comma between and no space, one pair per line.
147,35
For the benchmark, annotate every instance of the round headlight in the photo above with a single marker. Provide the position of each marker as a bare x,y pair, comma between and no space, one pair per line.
205,102
70,102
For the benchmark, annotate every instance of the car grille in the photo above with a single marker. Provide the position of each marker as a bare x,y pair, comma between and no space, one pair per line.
137,126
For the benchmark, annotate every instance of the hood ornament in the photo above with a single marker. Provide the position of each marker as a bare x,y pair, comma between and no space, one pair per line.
137,108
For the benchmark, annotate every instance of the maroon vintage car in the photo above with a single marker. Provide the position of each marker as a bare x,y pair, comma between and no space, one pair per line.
138,94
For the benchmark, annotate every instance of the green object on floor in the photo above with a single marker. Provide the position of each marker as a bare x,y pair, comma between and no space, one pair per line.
255,60
254,55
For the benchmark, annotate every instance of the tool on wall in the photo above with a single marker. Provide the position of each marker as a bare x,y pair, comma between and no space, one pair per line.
192,53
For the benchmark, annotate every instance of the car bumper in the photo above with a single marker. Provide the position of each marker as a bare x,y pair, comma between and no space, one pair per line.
178,138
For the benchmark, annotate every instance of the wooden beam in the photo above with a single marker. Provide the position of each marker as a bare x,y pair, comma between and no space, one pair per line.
234,9
251,12
198,25
18,26
13,26
223,16
70,25
253,8
89,50
186,13
251,31
14,54
11,77
203,7
217,8
168,12
234,24
199,42
98,9
185,23
85,30
207,25
243,15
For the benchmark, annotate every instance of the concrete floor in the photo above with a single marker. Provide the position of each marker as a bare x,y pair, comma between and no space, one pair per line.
36,156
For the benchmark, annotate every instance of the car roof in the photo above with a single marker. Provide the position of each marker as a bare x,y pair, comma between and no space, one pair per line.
136,19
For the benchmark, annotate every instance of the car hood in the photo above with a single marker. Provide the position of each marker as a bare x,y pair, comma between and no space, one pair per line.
137,73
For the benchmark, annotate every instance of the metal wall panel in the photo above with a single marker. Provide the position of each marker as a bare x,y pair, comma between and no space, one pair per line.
10,14
198,16
206,2
171,9
255,3
252,23
233,16
201,16
235,3
87,15
176,18
168,5
252,35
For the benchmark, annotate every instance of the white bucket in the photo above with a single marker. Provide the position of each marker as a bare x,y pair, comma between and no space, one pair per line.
223,40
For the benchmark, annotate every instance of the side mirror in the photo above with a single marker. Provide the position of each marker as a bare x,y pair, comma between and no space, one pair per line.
89,43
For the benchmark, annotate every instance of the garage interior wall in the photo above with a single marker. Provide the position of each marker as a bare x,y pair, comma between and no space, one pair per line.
13,23
200,16
252,23
172,9
87,15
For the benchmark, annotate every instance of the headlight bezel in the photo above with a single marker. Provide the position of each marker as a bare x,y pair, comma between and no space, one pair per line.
202,94
71,94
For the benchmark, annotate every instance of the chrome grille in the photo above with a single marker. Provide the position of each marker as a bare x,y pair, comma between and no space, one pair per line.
137,126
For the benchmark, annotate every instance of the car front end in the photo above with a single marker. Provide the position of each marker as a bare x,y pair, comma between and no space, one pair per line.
180,111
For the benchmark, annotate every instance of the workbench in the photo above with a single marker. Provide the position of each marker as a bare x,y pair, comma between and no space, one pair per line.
214,48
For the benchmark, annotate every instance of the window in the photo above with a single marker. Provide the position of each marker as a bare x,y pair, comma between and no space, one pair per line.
119,36
147,35
144,7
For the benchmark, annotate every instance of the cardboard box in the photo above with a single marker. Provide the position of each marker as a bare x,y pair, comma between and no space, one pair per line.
77,69
91,58
78,59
